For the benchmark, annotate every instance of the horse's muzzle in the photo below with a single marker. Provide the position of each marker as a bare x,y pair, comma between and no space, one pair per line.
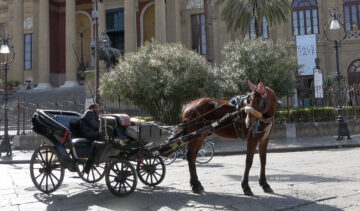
252,111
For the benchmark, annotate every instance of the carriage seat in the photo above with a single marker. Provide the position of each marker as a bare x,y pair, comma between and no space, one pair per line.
122,119
81,147
65,120
81,142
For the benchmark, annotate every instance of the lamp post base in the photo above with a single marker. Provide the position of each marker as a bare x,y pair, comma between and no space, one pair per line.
6,147
343,130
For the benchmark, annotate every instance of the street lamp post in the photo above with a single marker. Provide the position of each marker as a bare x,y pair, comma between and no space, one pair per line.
8,56
336,24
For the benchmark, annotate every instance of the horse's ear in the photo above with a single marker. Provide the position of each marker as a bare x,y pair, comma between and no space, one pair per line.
252,86
261,89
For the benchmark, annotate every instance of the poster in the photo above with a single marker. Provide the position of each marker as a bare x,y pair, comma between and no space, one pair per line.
318,83
306,53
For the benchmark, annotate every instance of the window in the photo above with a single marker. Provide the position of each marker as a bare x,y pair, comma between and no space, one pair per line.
305,17
251,32
115,28
351,15
198,33
28,51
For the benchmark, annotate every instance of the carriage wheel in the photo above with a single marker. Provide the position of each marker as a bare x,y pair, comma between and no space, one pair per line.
95,174
46,170
206,153
170,159
151,170
121,178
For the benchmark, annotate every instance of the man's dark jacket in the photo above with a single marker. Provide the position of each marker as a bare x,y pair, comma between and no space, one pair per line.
89,125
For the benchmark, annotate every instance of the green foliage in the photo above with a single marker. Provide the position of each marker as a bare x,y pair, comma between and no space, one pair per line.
257,60
238,14
315,114
160,79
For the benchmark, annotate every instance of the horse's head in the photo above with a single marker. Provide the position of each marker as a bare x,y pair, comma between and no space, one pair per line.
262,99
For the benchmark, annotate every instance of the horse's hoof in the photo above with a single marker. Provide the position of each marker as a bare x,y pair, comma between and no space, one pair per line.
197,190
267,189
248,192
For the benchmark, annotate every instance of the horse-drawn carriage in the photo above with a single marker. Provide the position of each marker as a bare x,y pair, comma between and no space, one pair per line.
251,118
123,144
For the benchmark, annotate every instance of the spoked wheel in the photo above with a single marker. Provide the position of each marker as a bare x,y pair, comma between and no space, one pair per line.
170,159
46,171
206,153
151,170
95,174
121,178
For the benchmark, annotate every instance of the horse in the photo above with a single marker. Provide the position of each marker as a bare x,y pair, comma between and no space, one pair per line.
256,131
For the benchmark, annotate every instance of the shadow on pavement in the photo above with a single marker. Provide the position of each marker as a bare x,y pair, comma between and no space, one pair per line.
171,198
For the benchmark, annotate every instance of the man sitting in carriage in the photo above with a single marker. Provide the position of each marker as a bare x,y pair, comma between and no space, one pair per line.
90,123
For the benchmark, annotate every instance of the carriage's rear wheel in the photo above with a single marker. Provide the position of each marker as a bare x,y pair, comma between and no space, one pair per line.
121,178
95,174
46,170
151,170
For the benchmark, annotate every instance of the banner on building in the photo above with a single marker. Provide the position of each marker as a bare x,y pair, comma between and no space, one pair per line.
318,83
306,52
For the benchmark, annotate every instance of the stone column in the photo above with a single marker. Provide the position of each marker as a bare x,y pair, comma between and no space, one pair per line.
160,21
70,34
36,42
17,71
44,45
173,20
130,25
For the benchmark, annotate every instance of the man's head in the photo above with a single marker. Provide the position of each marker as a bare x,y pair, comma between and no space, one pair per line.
94,107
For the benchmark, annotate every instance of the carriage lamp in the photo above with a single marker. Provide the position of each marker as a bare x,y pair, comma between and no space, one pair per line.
335,25
7,56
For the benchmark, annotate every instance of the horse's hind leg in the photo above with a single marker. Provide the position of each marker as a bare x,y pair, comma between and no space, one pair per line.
251,148
193,149
262,153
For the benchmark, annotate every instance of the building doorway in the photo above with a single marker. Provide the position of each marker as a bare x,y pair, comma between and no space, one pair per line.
354,82
147,22
83,38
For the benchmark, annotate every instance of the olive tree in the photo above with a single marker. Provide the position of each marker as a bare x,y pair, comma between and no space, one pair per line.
160,78
257,60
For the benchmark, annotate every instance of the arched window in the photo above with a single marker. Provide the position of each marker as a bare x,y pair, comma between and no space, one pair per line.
305,17
351,15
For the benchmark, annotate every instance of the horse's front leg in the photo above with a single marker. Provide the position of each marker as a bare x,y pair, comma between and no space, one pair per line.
193,149
262,153
251,148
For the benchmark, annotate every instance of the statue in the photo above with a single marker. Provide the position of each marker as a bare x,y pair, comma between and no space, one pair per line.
106,52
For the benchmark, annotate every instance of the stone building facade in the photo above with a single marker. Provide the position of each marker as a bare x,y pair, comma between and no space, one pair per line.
46,34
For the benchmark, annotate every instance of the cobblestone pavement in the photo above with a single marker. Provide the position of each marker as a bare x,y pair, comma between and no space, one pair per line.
311,180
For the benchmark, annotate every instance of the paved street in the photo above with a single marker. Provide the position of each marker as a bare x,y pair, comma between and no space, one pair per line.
311,180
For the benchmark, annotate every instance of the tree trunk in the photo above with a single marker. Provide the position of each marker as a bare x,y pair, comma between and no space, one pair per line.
258,28
209,31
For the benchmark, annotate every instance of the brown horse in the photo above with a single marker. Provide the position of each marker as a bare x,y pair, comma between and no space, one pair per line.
204,111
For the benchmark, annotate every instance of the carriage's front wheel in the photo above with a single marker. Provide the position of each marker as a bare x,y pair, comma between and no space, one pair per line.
151,170
121,178
95,174
46,170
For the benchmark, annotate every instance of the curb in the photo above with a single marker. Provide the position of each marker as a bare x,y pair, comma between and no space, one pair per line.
292,149
239,152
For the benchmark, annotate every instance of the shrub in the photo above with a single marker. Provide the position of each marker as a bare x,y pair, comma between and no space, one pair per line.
315,114
160,79
257,60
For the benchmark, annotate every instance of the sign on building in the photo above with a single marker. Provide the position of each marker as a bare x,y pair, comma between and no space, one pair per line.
318,83
306,52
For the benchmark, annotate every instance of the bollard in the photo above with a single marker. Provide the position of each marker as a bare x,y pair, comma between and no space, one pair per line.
18,118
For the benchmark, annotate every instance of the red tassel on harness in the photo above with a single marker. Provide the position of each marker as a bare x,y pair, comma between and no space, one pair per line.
64,138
